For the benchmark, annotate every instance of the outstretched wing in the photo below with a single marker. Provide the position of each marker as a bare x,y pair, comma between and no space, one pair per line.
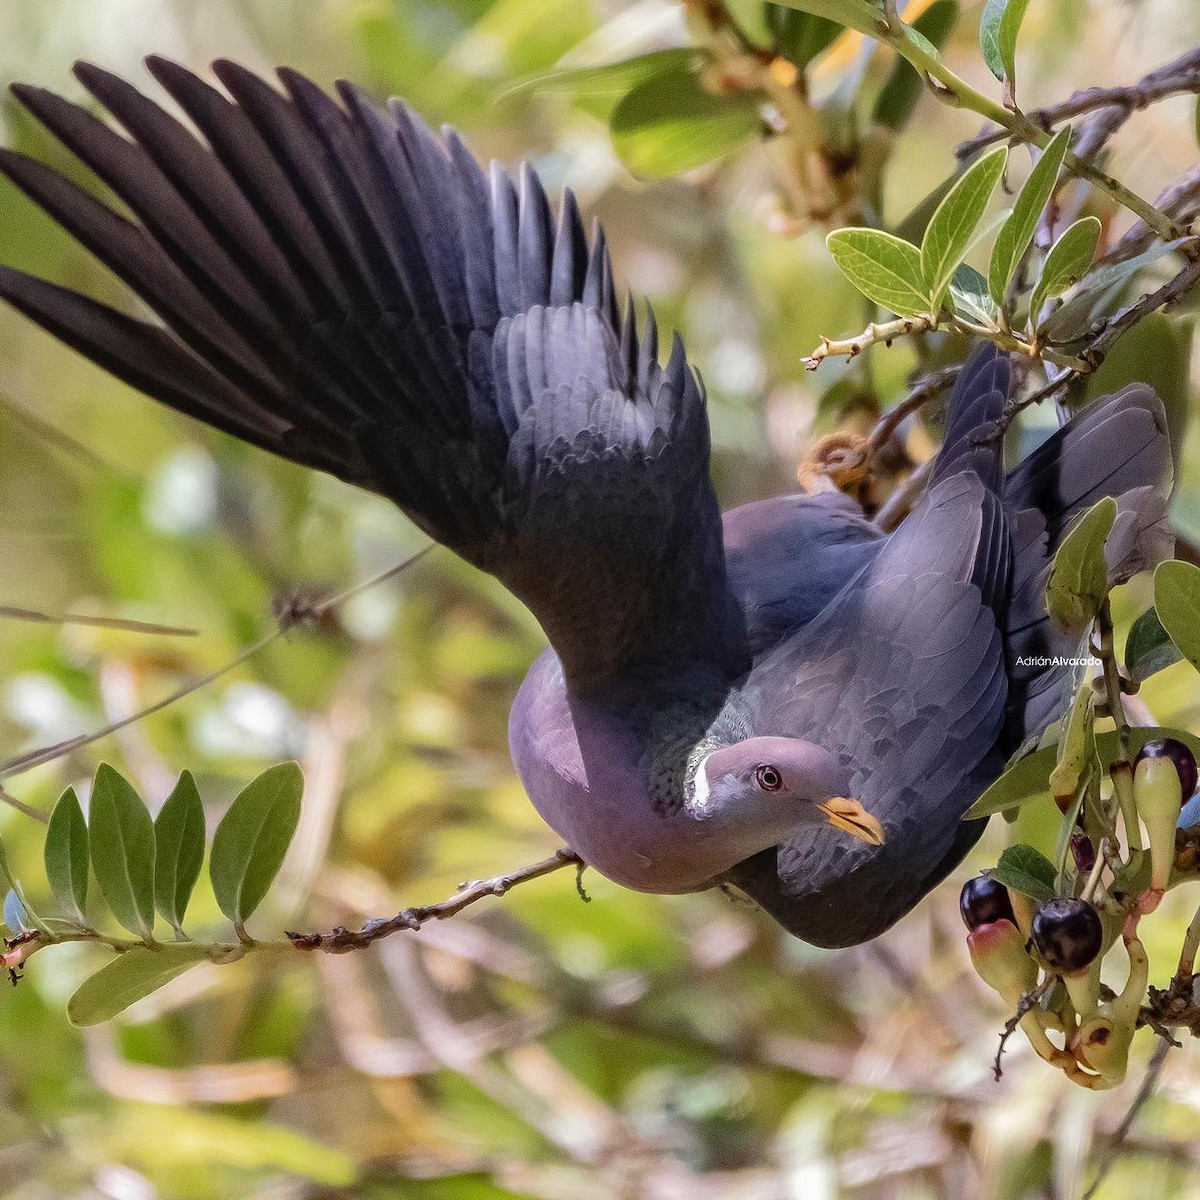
903,677
338,285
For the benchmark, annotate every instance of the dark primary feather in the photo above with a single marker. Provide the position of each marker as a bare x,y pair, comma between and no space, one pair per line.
342,287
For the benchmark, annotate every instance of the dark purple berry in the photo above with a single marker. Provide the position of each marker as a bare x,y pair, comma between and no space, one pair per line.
982,901
1180,755
1067,933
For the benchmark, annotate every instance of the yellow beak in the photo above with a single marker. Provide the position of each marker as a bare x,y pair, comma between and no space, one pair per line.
847,814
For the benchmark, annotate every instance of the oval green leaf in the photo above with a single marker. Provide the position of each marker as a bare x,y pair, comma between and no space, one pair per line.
66,854
883,267
122,846
127,979
999,28
1079,574
253,837
1149,648
179,833
948,235
1014,238
1177,601
1069,260
970,298
603,83
1026,870
1099,294
670,123
798,36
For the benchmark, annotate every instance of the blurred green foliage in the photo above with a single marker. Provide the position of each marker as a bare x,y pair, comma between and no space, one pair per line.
636,1046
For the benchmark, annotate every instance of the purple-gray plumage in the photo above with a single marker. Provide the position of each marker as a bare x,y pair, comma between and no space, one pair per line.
785,699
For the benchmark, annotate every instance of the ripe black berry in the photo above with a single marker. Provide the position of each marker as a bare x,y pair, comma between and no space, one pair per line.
1067,933
1180,755
982,901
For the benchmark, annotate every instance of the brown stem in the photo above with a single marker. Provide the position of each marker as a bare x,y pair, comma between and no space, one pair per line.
340,940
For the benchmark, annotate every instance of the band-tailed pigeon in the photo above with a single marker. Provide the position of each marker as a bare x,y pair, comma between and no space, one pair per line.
784,699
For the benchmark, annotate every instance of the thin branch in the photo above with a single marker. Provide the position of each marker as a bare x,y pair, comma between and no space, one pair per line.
288,618
1094,354
1179,77
341,940
1148,1085
927,388
37,758
122,623
889,331
1180,200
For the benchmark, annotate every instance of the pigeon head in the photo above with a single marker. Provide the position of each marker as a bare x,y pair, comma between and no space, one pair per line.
759,791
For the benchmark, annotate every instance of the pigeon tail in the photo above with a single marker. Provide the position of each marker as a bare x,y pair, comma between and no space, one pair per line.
1119,447
976,403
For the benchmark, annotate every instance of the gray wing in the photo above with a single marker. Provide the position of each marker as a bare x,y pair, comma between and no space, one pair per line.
338,285
903,677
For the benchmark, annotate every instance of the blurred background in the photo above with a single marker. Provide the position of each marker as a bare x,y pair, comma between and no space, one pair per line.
538,1046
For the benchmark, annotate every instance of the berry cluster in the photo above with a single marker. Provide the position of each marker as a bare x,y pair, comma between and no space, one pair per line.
1013,939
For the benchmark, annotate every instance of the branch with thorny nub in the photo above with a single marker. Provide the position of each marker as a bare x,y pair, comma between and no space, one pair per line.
886,332
342,940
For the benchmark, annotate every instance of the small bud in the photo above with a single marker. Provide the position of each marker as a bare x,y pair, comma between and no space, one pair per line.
998,954
1083,852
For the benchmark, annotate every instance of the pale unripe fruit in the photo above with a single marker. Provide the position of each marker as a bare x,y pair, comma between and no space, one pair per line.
1158,796
998,954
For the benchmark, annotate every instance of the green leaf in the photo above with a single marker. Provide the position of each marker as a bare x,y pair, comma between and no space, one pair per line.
900,93
951,227
66,854
1069,260
128,978
1014,238
883,267
1025,870
969,295
1079,574
752,18
1177,600
1149,648
122,845
604,82
999,28
670,123
253,837
1028,778
179,833
854,14
798,36
1097,295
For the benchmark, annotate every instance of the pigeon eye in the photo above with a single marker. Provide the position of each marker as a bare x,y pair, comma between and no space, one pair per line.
768,779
